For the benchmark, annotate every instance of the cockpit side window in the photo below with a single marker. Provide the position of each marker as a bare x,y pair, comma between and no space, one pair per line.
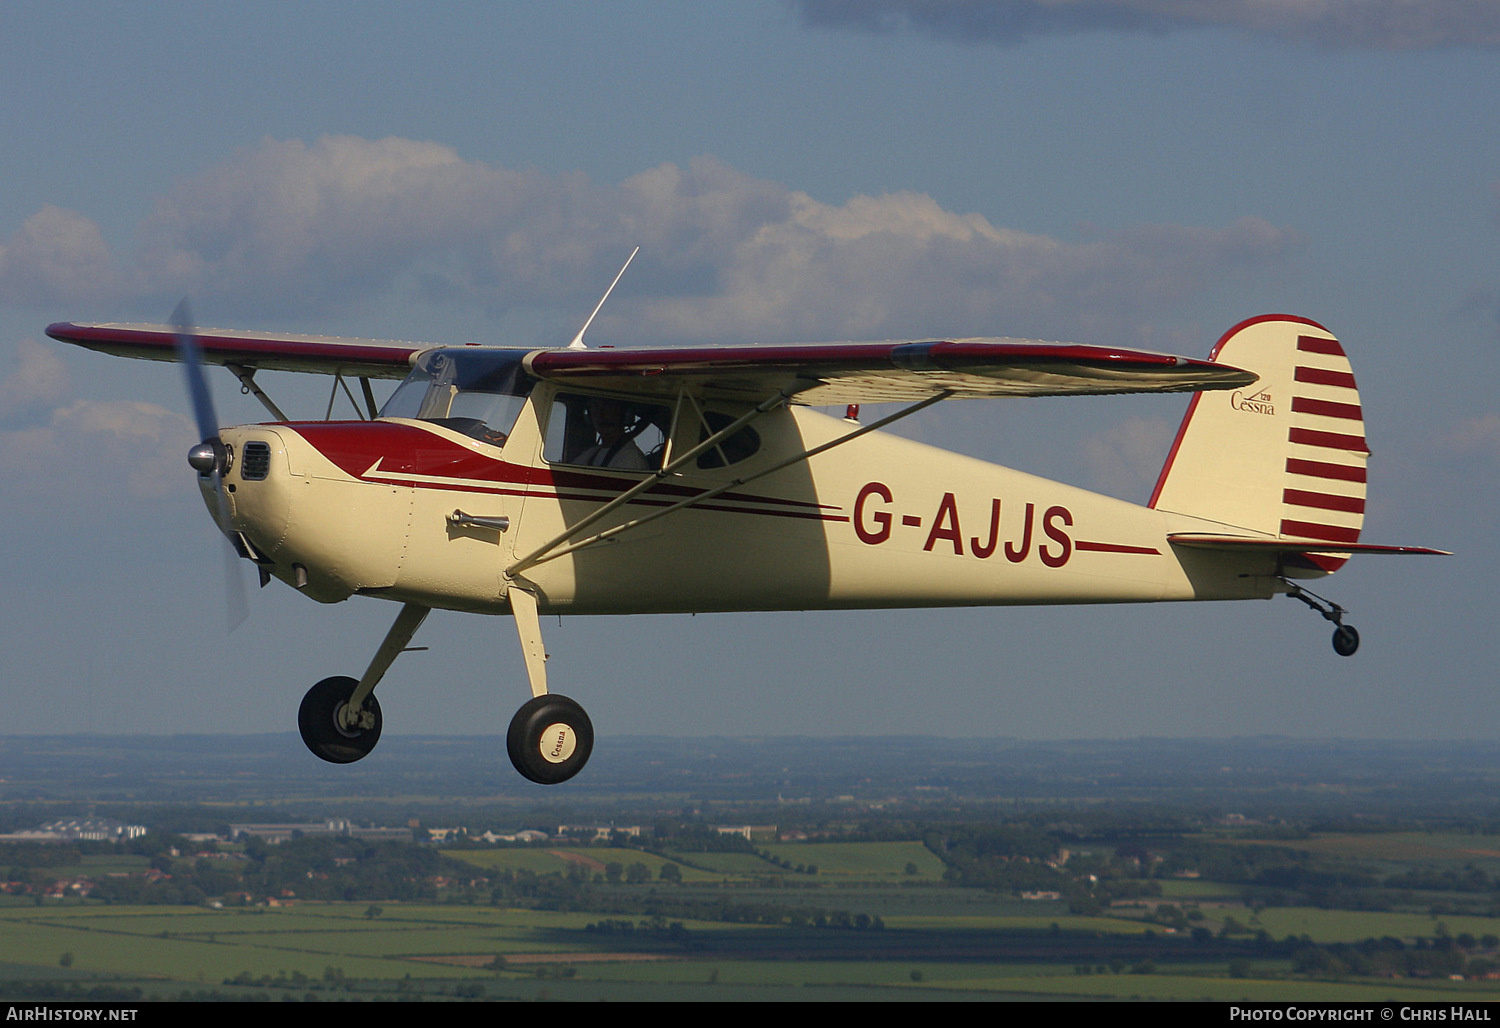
604,432
740,446
474,391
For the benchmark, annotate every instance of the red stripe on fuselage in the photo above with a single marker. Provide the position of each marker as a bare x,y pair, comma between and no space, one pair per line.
1116,548
410,455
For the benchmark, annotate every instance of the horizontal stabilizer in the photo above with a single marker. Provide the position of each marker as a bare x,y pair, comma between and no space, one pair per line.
1206,541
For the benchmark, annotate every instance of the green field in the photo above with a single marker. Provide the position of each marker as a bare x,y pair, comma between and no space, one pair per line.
1192,890
195,945
591,862
1354,925
864,862
1410,847
790,920
326,946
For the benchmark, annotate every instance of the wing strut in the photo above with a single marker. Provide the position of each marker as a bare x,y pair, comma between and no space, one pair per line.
247,383
338,381
554,549
370,404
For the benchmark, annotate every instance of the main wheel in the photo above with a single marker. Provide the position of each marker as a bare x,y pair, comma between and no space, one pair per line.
1345,640
550,739
317,720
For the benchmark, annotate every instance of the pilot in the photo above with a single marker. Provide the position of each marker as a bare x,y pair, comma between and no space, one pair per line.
616,448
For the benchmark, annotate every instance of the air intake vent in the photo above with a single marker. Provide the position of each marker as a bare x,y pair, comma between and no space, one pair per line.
255,461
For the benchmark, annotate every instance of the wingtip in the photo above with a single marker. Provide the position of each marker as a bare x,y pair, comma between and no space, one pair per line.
61,331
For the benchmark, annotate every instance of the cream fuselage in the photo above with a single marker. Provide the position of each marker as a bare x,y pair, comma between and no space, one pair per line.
345,508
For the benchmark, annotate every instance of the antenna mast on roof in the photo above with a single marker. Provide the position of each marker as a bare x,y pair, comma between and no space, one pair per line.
577,343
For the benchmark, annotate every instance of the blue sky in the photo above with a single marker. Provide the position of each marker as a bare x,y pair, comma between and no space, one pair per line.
1140,172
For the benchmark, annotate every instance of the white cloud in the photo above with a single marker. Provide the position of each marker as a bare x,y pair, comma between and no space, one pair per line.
1362,24
37,381
900,266
1479,435
56,254
56,448
317,223
345,222
334,221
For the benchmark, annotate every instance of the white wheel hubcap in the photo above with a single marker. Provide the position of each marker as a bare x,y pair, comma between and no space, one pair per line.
558,742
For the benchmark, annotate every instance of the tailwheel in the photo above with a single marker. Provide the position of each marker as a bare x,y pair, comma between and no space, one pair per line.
328,730
550,739
1345,640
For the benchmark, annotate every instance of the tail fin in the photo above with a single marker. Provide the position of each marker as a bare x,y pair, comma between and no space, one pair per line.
1284,457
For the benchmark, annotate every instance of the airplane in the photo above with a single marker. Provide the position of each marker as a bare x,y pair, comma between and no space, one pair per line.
527,481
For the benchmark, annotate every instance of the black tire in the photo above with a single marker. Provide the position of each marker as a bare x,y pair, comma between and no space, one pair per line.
550,739
323,734
1345,640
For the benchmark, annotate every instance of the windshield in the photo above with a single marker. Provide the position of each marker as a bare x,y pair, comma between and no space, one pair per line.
475,391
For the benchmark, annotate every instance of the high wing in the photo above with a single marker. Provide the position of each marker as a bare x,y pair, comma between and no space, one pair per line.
808,373
834,373
324,355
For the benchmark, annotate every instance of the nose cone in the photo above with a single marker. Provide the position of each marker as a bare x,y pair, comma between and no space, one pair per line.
207,457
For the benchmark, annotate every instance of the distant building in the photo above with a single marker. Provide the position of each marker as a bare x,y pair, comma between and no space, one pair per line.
277,833
747,831
203,838
525,835
102,829
598,831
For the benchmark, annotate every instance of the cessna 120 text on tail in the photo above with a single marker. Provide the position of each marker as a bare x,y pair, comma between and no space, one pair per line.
528,481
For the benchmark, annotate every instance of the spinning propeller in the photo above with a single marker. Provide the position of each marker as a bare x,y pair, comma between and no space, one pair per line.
210,458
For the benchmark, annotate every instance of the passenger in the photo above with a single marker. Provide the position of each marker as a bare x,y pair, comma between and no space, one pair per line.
616,447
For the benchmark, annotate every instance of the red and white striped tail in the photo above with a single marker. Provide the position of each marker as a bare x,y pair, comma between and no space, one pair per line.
1284,457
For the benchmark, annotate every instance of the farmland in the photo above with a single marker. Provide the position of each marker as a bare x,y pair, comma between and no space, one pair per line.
657,896
333,950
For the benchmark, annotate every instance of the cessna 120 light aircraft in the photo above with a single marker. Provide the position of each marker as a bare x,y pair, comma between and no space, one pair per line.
529,481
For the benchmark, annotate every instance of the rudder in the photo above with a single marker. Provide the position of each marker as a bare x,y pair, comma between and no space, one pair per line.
1284,457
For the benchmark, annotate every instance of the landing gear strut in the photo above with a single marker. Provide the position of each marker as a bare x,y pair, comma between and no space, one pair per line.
550,737
340,717
1345,638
